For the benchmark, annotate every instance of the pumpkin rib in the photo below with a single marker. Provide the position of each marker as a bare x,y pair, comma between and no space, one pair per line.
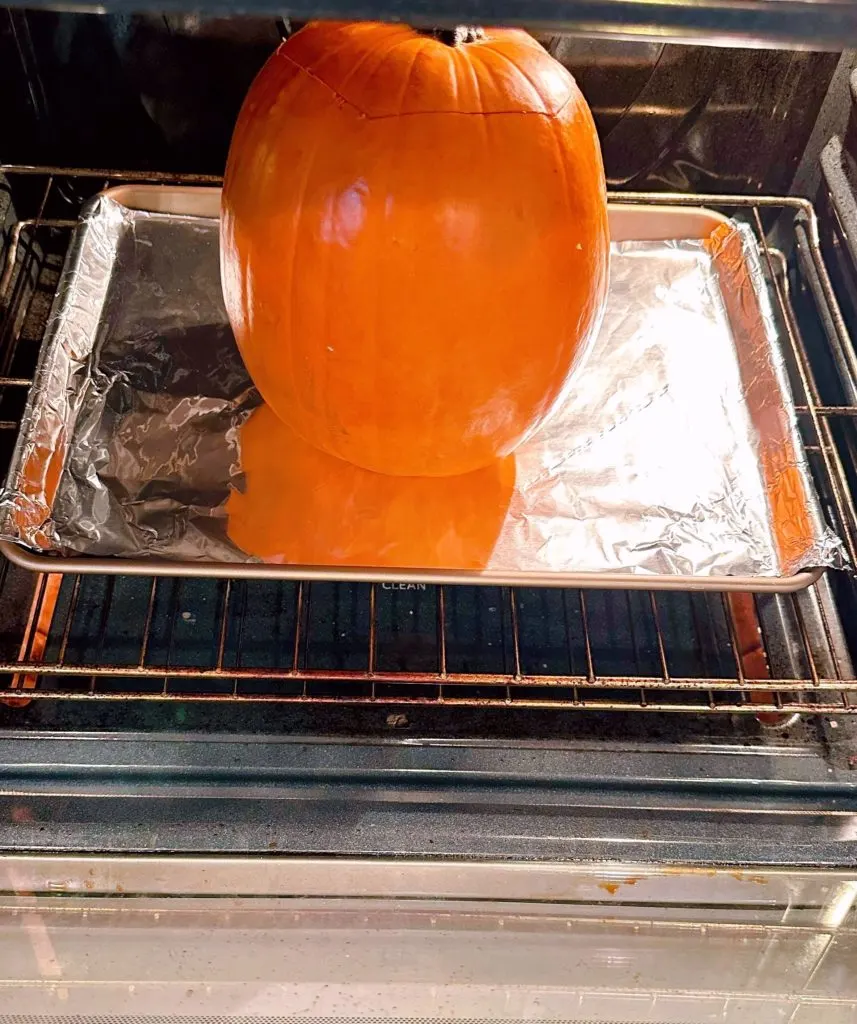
483,50
326,366
392,158
484,68
480,99
321,131
382,56
326,391
555,130
406,78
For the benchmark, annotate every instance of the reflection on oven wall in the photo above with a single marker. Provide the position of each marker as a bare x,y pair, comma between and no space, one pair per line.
141,91
163,91
698,118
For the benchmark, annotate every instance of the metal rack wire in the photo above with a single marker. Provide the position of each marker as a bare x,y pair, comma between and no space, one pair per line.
119,638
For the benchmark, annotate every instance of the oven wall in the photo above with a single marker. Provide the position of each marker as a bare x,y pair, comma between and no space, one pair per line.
162,91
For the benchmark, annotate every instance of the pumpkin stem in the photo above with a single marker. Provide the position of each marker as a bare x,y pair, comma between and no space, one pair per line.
454,36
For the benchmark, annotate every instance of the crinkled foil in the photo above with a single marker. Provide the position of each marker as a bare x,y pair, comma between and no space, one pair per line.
676,452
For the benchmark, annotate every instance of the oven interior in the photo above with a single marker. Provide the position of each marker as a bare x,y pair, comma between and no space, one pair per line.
196,715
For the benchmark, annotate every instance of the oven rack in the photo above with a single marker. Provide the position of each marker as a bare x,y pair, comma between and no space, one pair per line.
85,637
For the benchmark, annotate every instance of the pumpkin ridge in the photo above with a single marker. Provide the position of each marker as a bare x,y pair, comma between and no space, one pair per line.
477,85
376,70
554,129
520,71
308,166
407,82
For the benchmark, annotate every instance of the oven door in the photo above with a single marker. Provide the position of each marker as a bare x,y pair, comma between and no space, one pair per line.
239,939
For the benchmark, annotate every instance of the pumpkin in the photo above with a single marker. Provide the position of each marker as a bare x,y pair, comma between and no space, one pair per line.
414,241
301,506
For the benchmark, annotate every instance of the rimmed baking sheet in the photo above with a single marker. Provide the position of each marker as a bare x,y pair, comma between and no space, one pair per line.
675,463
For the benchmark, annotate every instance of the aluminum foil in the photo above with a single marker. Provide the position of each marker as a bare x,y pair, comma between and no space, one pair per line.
675,453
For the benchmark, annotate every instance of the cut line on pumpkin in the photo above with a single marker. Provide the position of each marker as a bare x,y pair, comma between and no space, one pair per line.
424,113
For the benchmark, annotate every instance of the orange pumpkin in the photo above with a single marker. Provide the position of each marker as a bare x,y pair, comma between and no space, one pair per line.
414,241
303,507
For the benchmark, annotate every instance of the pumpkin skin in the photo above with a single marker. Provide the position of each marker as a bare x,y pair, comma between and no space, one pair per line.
414,242
301,506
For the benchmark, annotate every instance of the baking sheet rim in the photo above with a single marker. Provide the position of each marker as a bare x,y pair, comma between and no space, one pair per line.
151,198
27,559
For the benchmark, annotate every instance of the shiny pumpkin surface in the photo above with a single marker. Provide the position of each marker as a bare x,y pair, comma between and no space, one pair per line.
414,241
300,506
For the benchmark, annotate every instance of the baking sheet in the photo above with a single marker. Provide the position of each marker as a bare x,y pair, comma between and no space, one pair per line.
675,456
